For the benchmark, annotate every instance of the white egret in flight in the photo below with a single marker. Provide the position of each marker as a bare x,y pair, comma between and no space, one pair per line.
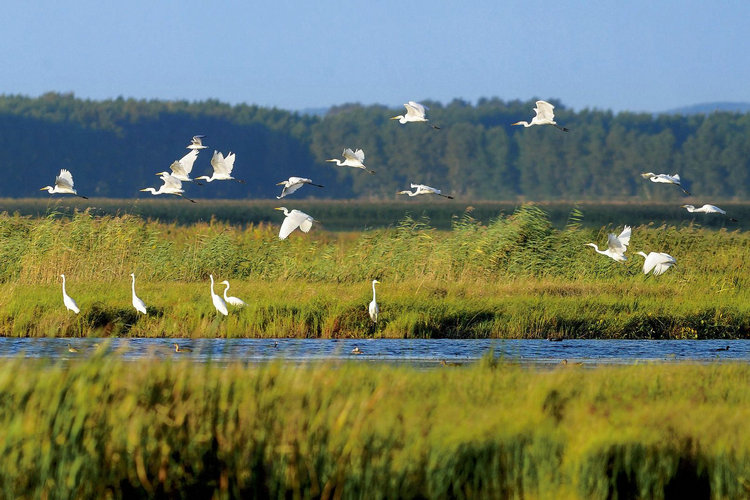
707,209
68,300
293,184
293,220
181,168
219,303
617,245
172,185
545,115
63,184
232,300
197,142
352,159
665,179
374,310
422,189
139,305
658,261
415,112
222,168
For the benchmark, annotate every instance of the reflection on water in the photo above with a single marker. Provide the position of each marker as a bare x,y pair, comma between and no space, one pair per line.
412,351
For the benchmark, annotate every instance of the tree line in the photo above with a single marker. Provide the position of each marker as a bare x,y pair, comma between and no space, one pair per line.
114,147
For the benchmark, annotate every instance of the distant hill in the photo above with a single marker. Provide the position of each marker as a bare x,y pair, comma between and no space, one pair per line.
710,107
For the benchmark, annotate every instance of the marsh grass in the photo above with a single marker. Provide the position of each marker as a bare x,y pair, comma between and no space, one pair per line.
101,426
517,276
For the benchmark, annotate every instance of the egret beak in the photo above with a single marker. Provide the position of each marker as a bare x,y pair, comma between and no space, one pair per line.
42,189
146,189
278,208
332,160
282,182
517,123
395,118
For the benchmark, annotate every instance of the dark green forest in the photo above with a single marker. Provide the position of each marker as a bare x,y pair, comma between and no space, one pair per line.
114,148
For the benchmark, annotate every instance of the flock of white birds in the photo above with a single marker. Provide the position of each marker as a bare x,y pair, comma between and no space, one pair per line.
655,262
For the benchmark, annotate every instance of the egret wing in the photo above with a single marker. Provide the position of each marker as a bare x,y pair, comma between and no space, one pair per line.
544,110
217,162
351,155
625,236
229,163
172,182
615,245
187,161
306,224
64,180
291,222
290,189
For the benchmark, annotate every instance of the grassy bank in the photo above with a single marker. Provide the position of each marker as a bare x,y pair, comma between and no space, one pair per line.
99,427
515,277
358,215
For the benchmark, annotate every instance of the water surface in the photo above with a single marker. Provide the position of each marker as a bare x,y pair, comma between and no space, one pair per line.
412,351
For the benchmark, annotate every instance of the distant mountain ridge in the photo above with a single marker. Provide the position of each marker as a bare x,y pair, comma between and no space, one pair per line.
707,108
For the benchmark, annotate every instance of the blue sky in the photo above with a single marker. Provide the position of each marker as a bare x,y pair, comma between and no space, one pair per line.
635,55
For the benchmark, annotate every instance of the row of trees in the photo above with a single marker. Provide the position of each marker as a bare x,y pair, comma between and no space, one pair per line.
114,147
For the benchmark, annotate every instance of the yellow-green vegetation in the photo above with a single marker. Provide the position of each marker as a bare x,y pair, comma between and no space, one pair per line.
105,427
515,277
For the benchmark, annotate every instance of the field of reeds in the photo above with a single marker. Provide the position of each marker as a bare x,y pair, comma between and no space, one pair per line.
515,276
102,427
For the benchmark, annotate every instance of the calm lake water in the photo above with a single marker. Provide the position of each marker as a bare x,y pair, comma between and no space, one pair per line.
412,351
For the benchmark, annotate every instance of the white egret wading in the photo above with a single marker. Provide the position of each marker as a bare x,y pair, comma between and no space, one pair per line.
545,115
139,305
616,245
665,179
294,219
222,168
422,189
172,185
63,185
293,184
659,262
415,112
68,300
237,302
353,159
219,303
374,310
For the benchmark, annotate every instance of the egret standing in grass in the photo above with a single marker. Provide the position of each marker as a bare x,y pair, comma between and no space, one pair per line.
63,185
196,142
545,115
374,310
237,302
293,184
172,185
139,305
422,189
222,168
660,262
665,179
294,219
707,209
68,300
415,112
617,245
219,303
353,159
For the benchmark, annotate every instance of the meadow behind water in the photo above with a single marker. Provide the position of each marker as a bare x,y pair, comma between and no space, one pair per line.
517,275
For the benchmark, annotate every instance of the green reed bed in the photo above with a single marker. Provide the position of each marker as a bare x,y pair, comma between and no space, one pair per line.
514,277
104,427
